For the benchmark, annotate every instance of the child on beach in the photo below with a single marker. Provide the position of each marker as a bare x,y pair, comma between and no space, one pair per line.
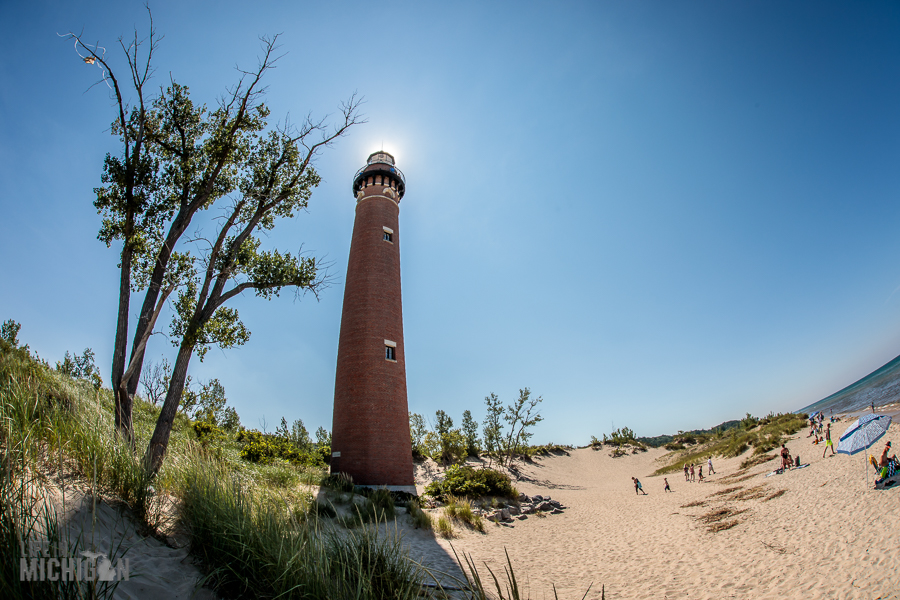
686,476
709,464
701,473
692,471
667,488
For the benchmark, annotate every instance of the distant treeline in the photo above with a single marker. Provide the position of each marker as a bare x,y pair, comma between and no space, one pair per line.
662,440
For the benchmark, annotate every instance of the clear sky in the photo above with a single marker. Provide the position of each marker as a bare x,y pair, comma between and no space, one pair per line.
653,214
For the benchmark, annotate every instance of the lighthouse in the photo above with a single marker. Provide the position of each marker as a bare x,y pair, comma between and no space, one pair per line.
370,430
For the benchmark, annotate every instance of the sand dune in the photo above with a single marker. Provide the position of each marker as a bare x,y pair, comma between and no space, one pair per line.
822,535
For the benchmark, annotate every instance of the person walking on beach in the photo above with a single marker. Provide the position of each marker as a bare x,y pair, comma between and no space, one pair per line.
709,464
667,488
692,471
638,488
828,442
701,473
686,476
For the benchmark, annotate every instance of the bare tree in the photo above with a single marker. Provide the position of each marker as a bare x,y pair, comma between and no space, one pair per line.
155,380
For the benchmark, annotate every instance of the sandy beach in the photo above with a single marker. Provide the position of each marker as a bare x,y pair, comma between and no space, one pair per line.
814,532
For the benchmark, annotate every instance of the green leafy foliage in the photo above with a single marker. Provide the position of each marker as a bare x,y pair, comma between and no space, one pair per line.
446,448
9,332
492,427
464,481
323,437
81,367
470,432
620,437
417,431
265,448
520,416
207,432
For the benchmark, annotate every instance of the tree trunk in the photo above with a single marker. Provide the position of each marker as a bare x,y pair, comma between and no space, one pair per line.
156,280
124,425
156,449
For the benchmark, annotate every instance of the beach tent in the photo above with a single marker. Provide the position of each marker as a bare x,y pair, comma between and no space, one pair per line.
862,434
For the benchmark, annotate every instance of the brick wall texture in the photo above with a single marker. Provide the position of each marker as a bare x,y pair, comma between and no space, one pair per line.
371,421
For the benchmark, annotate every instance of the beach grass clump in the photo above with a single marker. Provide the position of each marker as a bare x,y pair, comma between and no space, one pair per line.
444,527
465,481
339,482
550,449
460,509
378,506
420,519
254,547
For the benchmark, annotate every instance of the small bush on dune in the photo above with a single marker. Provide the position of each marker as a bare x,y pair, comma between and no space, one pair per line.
207,432
472,483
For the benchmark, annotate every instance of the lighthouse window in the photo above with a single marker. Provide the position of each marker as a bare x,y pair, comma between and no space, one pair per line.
388,237
390,353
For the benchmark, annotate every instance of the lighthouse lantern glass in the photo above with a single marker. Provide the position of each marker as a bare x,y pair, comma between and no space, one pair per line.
381,157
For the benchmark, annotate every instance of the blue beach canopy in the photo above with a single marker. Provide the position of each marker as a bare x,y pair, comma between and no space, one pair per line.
863,433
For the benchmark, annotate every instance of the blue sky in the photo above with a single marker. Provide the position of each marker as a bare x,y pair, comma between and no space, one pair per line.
659,215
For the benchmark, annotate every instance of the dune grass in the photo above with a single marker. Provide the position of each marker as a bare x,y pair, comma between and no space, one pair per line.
762,435
252,525
420,519
252,546
460,509
255,529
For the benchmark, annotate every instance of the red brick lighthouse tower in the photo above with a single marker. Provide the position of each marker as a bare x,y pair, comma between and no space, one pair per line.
370,438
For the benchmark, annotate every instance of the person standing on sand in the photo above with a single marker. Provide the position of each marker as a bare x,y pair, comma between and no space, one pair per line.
637,486
709,464
686,476
828,442
667,488
692,471
785,458
701,473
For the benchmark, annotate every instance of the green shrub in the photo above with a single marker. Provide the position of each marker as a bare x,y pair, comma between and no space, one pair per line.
207,432
446,448
465,481
264,449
